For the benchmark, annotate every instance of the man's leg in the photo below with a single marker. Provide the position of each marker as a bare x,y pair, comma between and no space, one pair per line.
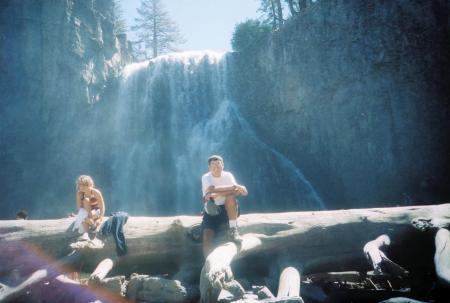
231,207
208,236
232,212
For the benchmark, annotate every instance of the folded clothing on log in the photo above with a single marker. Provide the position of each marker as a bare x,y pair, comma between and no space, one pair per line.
114,225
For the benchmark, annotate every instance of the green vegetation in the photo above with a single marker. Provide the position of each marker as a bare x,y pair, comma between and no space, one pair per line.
249,36
120,25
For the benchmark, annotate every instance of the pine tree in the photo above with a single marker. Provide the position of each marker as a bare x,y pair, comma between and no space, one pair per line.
156,33
273,12
120,25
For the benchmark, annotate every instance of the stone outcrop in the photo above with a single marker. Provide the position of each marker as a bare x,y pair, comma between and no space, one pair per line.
347,106
56,58
356,93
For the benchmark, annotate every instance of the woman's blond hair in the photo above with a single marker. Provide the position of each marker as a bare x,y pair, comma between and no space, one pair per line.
84,180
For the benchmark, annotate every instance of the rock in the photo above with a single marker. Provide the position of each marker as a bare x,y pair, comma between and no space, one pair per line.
155,289
264,293
365,54
65,53
116,285
225,296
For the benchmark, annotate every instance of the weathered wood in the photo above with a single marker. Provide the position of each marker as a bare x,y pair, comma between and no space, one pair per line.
378,259
163,244
100,272
442,256
216,274
289,285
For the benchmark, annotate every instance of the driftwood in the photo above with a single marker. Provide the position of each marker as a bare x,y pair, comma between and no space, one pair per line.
309,235
289,285
378,259
216,274
313,241
100,272
442,256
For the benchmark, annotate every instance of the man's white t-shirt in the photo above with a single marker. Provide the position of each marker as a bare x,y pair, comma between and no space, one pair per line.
225,179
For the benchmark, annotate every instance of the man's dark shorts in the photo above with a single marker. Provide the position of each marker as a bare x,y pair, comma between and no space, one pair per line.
214,222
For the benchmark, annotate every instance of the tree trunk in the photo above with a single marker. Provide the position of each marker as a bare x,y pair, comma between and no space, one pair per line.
279,13
301,4
155,32
292,8
319,241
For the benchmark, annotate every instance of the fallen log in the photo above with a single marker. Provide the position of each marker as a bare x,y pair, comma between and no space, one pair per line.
318,241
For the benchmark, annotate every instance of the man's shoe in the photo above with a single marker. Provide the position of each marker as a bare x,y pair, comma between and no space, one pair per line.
233,235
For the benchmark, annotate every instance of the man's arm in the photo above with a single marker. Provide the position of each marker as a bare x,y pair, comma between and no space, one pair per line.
228,190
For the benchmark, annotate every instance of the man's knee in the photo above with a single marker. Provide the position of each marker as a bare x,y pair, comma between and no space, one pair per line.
231,199
208,235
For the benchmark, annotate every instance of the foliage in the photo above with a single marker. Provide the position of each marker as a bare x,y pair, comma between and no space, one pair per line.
274,10
250,36
156,33
120,25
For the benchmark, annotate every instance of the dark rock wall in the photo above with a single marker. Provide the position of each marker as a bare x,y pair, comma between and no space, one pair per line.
356,94
56,59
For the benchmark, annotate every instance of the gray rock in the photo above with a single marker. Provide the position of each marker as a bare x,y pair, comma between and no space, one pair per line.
235,288
155,289
265,293
116,285
225,296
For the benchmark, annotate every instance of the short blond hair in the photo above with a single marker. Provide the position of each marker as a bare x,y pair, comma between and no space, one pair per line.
84,180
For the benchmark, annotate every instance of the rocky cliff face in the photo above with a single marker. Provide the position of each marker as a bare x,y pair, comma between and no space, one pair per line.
56,58
356,94
346,107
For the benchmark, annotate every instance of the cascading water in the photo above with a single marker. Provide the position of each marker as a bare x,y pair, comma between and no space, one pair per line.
175,111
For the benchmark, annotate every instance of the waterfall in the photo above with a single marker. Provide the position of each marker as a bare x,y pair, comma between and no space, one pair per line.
172,113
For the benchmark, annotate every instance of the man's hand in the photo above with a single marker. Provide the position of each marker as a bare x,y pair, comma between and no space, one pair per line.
241,190
208,196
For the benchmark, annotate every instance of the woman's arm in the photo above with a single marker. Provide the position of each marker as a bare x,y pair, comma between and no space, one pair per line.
78,200
101,202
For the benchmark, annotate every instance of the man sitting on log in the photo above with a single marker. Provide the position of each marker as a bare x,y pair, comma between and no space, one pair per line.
219,195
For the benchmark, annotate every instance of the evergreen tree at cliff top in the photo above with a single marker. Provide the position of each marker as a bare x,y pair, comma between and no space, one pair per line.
156,33
120,25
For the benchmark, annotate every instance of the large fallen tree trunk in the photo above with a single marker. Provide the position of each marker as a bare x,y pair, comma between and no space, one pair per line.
317,241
